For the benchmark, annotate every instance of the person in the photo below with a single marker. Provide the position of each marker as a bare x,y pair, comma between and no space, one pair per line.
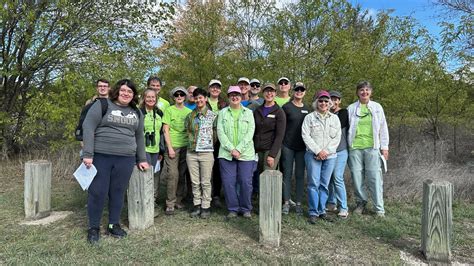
270,124
321,132
284,87
368,146
102,89
337,188
190,102
114,143
293,148
175,155
235,129
244,85
155,83
152,128
255,91
215,99
201,129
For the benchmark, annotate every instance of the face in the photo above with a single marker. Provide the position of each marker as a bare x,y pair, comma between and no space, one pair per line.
103,89
125,95
215,90
284,85
323,104
335,103
235,98
364,94
150,99
201,101
179,97
255,88
269,95
299,93
155,85
190,94
244,87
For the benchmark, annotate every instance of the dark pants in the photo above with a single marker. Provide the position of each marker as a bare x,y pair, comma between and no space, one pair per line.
113,175
216,173
239,173
288,158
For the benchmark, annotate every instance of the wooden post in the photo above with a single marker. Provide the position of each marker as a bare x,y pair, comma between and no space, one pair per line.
270,208
140,199
37,189
436,222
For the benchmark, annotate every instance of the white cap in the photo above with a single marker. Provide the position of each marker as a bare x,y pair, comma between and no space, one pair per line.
254,81
283,78
215,81
244,79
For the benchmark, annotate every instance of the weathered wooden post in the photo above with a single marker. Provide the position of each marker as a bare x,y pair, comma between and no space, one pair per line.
270,208
37,189
436,222
140,199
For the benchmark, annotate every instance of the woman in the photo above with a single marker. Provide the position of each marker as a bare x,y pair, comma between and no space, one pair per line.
337,188
368,141
321,133
270,124
152,127
235,128
293,148
113,143
284,87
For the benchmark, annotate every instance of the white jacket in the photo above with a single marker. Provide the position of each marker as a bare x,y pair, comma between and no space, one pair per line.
321,133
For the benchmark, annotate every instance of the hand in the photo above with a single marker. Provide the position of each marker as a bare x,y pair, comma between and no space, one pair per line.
235,154
160,157
385,154
270,161
323,155
143,166
87,162
171,153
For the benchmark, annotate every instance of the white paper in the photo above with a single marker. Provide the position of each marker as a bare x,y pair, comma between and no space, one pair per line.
157,167
85,176
384,162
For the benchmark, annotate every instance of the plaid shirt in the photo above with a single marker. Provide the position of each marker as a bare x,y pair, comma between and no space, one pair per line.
201,130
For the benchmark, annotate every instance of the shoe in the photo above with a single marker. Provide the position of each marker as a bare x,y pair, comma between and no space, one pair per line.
93,236
359,209
299,209
179,206
343,214
285,209
326,218
216,202
169,211
313,219
196,211
231,215
292,203
205,213
247,215
380,215
331,207
116,231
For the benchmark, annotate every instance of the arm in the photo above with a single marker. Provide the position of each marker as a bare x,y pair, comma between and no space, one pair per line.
248,137
334,143
140,139
226,144
166,133
90,124
305,133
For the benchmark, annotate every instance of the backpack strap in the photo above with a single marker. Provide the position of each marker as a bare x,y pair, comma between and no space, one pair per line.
104,104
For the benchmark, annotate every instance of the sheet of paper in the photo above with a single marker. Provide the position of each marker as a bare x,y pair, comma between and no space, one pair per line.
384,163
85,176
157,167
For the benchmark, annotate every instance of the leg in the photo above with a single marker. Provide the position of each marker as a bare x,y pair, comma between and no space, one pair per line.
356,165
171,165
182,173
98,189
244,178
287,158
192,159
119,179
299,174
327,167
373,171
205,167
229,181
338,177
216,173
313,167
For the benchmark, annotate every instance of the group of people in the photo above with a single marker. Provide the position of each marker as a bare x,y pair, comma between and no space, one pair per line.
213,144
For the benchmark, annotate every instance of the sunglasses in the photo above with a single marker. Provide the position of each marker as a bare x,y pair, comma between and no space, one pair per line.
300,89
323,101
179,94
283,83
255,85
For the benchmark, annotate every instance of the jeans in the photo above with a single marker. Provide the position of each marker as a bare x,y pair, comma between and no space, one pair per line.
365,166
235,173
337,188
319,174
288,156
200,168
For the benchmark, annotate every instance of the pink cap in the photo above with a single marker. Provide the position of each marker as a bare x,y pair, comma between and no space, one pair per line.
234,89
323,93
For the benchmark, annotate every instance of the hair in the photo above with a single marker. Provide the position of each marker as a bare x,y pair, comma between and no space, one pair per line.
200,91
114,94
153,78
142,99
314,104
363,84
102,80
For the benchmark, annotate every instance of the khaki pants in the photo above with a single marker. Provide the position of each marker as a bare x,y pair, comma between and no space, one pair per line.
176,172
200,167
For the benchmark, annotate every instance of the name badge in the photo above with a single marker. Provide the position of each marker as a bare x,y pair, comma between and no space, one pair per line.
271,116
304,111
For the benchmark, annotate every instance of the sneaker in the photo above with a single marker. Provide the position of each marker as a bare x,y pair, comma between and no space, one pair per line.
326,218
285,209
313,219
247,215
116,231
169,211
380,215
179,206
292,203
216,202
196,211
205,213
93,235
299,209
359,209
231,215
343,214
331,207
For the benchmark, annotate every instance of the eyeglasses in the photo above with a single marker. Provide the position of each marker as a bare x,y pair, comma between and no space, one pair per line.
300,89
283,83
234,95
362,115
102,86
255,85
323,101
179,94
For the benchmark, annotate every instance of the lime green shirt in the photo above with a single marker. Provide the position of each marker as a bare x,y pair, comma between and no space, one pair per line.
364,136
174,118
235,115
162,104
214,105
148,125
281,101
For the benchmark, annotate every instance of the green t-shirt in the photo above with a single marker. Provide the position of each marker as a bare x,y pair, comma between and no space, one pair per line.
214,106
148,125
174,118
162,104
364,136
281,101
235,115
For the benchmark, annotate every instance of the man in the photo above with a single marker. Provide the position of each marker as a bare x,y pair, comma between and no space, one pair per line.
155,83
102,88
255,100
283,91
190,102
244,85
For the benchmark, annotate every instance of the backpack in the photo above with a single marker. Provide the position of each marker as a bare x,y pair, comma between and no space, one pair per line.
79,131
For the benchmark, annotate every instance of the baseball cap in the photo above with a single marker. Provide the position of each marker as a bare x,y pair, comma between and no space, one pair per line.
322,94
299,85
254,81
234,89
215,81
283,78
244,79
269,86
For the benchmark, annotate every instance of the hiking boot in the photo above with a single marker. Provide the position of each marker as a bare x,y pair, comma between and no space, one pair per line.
169,211
359,209
93,236
205,213
247,215
285,209
313,219
299,209
231,215
196,211
116,231
380,215
331,207
343,214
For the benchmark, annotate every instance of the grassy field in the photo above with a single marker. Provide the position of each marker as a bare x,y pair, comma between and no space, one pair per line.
182,240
